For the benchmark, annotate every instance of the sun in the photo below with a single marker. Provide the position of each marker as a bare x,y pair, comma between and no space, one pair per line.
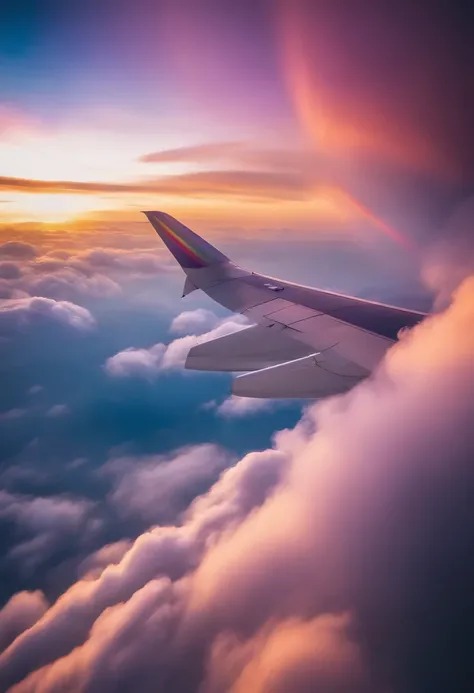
50,207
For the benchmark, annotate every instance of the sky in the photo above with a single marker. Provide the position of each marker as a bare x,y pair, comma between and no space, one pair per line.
156,533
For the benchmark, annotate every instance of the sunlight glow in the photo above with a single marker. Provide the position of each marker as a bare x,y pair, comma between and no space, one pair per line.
50,207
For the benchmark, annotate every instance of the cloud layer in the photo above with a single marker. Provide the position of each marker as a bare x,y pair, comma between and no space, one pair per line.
27,270
339,560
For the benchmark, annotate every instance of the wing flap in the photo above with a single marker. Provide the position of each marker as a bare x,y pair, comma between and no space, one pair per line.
314,376
249,349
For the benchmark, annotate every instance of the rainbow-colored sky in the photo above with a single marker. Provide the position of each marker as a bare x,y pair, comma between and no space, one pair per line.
288,113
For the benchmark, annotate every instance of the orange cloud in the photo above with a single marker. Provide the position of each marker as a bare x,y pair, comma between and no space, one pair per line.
288,656
252,184
215,151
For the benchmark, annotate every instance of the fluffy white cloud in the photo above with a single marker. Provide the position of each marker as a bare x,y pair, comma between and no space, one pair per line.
143,363
194,321
148,363
22,311
238,407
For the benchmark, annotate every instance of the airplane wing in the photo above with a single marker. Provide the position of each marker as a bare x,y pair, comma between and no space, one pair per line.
306,342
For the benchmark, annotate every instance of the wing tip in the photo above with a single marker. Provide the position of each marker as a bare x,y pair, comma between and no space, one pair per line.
190,250
147,212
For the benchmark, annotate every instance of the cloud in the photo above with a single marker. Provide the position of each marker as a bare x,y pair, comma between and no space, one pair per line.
57,410
338,560
8,270
253,184
247,154
19,250
158,488
199,153
111,554
23,311
194,321
149,363
163,551
43,525
451,259
237,407
293,655
12,414
97,273
141,263
22,611
145,363
68,284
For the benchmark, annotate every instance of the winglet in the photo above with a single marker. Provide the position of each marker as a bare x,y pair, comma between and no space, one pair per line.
189,249
188,288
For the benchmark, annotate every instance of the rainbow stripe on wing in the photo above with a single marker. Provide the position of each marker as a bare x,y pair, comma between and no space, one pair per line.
198,256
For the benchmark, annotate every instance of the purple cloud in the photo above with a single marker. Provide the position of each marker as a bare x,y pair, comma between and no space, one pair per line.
12,414
158,488
18,249
45,524
9,270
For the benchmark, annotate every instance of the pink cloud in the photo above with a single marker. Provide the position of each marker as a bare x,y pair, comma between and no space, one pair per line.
44,525
158,488
21,612
292,655
322,563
